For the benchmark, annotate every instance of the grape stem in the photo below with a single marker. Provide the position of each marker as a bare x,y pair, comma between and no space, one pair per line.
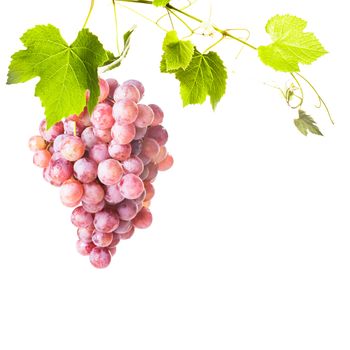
116,26
92,3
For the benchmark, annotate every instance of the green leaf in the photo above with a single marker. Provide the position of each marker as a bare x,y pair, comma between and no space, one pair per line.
205,76
177,53
306,124
291,45
161,3
115,61
65,71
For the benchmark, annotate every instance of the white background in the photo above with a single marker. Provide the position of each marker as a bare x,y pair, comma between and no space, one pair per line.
250,243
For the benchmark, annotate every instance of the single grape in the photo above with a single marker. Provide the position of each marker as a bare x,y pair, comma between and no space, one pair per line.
85,233
102,239
59,169
72,148
158,133
99,152
124,226
89,138
158,114
93,193
102,117
113,195
85,170
115,241
104,89
119,152
84,118
145,116
50,134
57,144
140,133
93,208
133,165
113,84
125,111
36,143
127,91
81,218
42,158
106,220
128,234
150,148
136,147
143,219
161,155
123,134
144,174
131,186
104,135
127,209
152,172
71,192
100,257
166,164
84,248
138,85
149,188
109,172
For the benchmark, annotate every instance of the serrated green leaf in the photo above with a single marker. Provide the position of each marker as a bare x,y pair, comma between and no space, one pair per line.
163,66
115,61
177,53
291,45
306,124
205,76
160,3
65,71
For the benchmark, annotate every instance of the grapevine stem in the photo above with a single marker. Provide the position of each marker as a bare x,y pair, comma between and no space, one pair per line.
182,21
216,42
170,19
322,102
89,13
116,26
300,88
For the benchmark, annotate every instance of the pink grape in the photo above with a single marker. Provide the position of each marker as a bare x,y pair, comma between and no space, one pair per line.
99,152
57,144
93,193
152,172
166,164
102,239
144,174
158,133
81,218
138,85
112,250
136,147
109,172
131,186
150,148
104,135
102,117
93,208
73,127
60,169
133,165
115,241
85,170
124,226
123,134
158,114
113,84
85,233
145,160
42,158
106,220
84,118
149,188
128,234
140,198
127,210
72,148
140,133
143,219
36,143
84,248
100,257
125,111
89,138
127,91
119,152
145,116
71,192
50,134
113,195
104,89
161,155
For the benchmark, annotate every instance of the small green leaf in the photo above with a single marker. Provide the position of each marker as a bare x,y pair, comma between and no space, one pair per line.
306,124
177,53
65,71
113,61
205,76
161,3
291,45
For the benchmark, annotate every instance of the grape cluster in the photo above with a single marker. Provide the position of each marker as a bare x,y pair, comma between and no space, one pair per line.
105,165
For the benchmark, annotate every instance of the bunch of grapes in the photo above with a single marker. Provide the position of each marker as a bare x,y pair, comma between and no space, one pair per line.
105,165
